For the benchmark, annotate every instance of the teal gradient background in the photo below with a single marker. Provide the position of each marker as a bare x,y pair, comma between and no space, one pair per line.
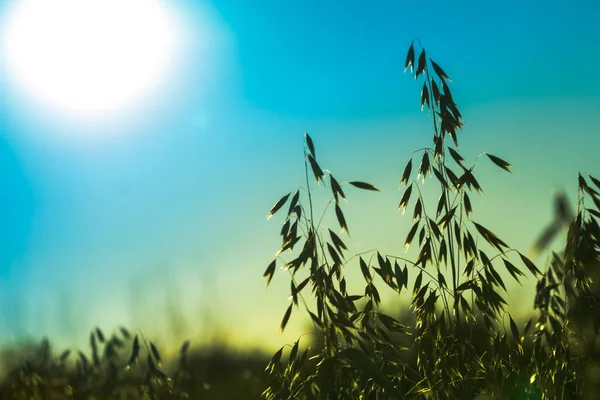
124,222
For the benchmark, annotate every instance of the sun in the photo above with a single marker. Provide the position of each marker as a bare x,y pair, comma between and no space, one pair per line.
88,58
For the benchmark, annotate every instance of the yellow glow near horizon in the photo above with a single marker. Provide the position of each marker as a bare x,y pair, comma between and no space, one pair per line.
88,59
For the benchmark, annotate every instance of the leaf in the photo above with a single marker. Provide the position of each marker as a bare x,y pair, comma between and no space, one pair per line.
285,229
94,349
100,335
593,212
311,146
421,64
336,188
596,181
438,151
294,202
418,210
278,205
302,285
465,285
65,354
581,182
410,59
365,271
270,271
405,198
457,235
291,233
514,329
341,219
286,318
298,211
527,326
274,360
411,235
381,261
452,176
441,204
451,131
442,280
434,228
421,294
424,167
490,237
468,178
447,93
317,171
467,203
457,157
530,265
435,90
422,234
500,162
339,244
392,324
155,353
125,332
514,271
184,348
406,173
83,359
334,255
399,276
469,267
294,351
425,97
418,281
439,71
364,185
135,351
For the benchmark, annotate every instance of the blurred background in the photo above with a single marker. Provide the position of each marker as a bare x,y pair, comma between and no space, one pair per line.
143,142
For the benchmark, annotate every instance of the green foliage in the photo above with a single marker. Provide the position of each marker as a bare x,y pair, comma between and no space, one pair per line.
129,367
105,374
462,342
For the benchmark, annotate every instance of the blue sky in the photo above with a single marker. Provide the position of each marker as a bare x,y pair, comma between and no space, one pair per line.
174,195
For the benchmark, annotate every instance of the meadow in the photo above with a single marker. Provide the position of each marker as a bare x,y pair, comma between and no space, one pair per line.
457,340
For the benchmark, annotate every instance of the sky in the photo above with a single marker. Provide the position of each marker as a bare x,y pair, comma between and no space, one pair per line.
154,217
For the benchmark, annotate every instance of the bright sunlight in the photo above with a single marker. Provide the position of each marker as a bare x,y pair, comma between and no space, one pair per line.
88,59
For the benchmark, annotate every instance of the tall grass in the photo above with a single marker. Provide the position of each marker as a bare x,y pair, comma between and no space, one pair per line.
463,342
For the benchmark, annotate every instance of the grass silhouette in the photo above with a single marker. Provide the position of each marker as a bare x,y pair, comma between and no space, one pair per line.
461,343
456,341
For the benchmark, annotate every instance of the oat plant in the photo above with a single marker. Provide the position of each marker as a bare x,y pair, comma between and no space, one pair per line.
566,353
455,282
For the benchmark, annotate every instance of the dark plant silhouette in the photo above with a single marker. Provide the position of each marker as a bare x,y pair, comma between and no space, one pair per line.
563,217
459,339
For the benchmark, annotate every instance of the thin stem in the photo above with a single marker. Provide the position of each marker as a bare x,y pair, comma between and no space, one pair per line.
441,163
308,188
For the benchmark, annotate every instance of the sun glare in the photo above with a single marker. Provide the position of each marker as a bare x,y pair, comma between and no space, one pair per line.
88,59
